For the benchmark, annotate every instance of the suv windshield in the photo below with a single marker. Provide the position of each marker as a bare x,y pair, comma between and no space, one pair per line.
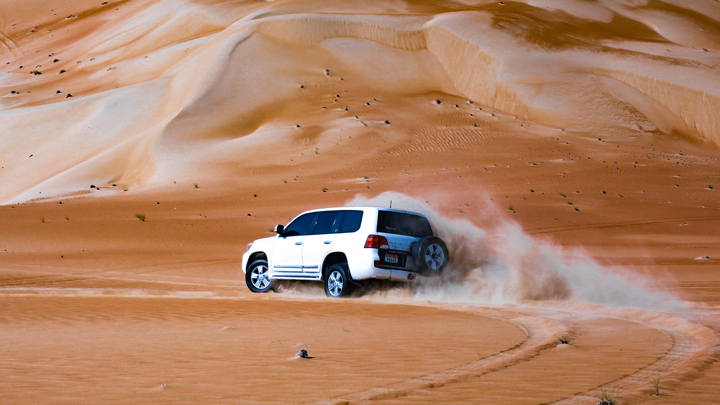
301,225
399,223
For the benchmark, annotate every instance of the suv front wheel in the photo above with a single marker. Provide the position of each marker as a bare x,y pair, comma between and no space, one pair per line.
257,277
337,281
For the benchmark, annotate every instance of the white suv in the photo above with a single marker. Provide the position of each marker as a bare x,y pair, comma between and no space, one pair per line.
341,246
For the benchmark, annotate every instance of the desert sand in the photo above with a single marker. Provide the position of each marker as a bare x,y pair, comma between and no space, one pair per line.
567,151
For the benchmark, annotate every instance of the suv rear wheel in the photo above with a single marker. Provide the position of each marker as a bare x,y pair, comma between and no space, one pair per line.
257,278
431,256
337,281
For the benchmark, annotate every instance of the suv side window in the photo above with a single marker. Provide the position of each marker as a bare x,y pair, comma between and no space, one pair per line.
300,226
325,223
348,221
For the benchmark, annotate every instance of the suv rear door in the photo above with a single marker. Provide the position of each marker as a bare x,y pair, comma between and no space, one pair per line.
319,242
401,230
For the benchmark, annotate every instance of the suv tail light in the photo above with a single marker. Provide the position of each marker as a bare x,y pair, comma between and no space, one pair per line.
376,242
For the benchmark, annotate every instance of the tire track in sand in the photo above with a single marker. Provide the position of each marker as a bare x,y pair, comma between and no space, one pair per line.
119,273
694,347
541,335
582,227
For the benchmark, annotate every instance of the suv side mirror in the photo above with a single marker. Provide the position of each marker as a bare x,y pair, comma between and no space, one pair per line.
279,229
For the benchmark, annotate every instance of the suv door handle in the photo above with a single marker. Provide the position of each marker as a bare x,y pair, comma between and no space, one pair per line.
298,243
327,242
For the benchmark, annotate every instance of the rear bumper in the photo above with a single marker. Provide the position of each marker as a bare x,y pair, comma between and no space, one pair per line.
367,266
392,274
401,275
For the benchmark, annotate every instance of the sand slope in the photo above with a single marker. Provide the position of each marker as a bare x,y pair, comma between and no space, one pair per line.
159,87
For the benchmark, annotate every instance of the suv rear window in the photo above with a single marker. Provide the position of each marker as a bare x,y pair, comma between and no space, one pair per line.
399,223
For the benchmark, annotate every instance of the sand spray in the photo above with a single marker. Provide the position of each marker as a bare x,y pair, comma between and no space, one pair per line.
497,262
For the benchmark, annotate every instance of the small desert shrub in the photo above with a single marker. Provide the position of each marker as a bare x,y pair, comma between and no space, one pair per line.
67,218
62,71
608,396
42,219
196,186
656,384
36,72
140,217
324,190
565,340
510,208
562,195
710,187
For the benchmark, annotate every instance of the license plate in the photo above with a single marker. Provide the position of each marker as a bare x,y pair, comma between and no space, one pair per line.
391,258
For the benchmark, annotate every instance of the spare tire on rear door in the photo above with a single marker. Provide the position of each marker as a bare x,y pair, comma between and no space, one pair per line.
430,255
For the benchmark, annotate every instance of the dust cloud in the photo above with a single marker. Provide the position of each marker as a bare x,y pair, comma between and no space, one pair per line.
497,262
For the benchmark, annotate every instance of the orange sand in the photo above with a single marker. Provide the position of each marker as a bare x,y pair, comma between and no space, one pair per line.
591,124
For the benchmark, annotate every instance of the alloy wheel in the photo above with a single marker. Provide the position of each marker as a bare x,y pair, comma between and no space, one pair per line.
434,256
335,283
259,277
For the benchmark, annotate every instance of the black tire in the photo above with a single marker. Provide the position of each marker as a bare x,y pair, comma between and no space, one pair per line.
430,255
256,277
337,281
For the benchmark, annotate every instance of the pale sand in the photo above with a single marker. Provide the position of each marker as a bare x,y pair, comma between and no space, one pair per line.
612,107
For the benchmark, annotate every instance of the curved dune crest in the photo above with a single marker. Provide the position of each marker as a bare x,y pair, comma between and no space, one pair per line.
311,31
699,109
474,72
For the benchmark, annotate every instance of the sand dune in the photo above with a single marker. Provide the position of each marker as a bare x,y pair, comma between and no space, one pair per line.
567,150
215,72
